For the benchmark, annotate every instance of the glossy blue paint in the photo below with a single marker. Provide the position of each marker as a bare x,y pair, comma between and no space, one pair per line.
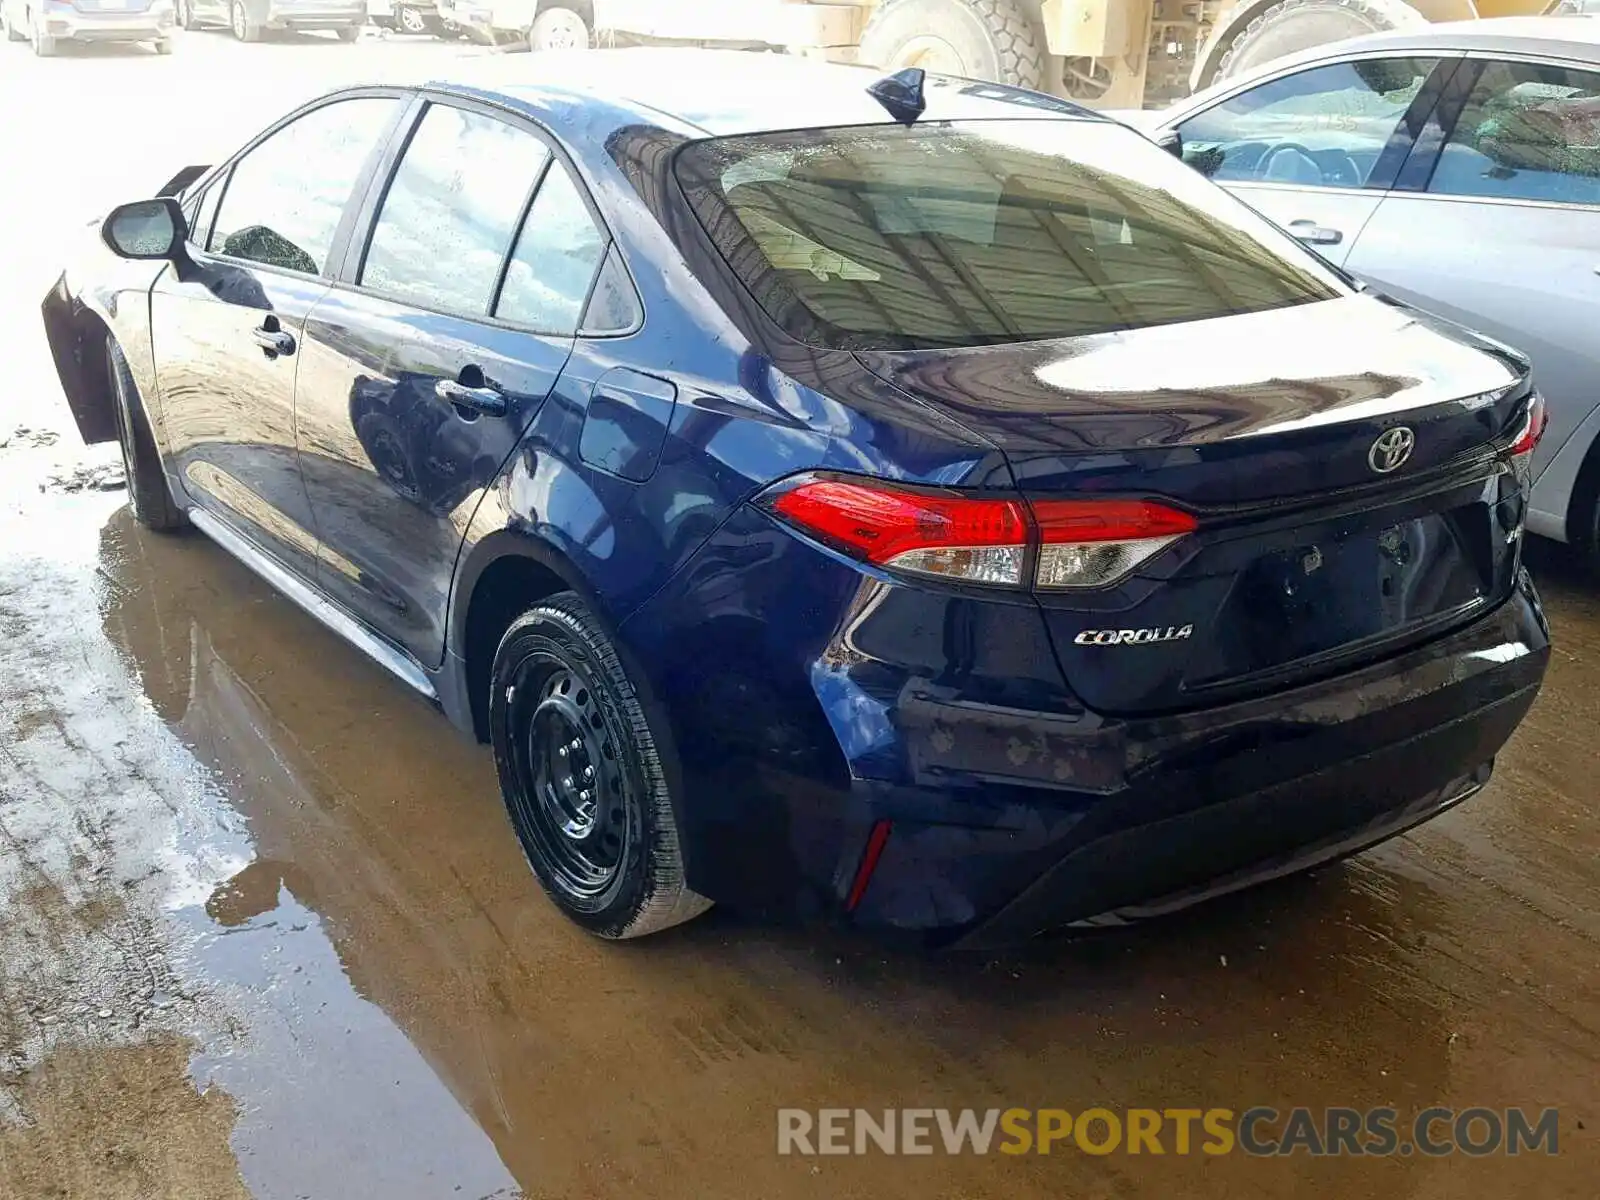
806,696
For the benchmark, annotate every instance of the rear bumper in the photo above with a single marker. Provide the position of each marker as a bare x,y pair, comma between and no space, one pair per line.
70,25
1206,803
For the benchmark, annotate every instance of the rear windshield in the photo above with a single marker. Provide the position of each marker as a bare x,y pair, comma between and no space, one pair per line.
977,232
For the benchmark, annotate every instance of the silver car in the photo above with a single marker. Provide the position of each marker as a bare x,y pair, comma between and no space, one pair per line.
47,24
1456,167
249,19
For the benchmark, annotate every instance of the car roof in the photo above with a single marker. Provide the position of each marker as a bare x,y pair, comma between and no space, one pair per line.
1562,36
723,92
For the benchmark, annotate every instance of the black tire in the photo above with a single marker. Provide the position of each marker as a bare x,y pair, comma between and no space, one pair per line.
148,493
1296,25
995,40
601,837
244,27
349,33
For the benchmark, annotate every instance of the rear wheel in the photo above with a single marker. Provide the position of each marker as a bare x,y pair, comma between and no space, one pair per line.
980,39
349,33
148,493
1296,25
584,775
558,29
245,28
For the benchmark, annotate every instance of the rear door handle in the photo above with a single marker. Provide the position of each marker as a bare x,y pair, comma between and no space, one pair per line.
273,341
487,400
1312,234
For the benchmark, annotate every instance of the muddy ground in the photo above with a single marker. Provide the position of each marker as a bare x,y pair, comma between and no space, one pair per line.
264,930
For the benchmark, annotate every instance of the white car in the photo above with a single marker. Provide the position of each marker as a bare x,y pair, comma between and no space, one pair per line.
48,23
1456,167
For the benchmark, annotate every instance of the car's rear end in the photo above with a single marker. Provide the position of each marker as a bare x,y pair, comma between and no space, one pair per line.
1245,593
107,20
309,15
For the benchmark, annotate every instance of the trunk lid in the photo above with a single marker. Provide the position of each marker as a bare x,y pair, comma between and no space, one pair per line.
1308,558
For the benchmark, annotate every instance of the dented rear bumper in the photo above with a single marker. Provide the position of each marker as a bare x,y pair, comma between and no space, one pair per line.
1088,820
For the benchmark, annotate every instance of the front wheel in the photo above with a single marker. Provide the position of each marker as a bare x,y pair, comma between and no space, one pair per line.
186,17
585,775
148,493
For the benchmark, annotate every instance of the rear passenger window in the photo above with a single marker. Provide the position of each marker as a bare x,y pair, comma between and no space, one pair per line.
452,210
1528,132
548,279
285,198
1325,127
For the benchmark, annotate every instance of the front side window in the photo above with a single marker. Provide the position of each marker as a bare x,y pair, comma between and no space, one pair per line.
285,198
1528,132
553,266
452,210
980,232
1324,127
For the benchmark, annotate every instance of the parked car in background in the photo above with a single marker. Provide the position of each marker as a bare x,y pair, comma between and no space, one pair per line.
1456,167
248,20
953,516
49,24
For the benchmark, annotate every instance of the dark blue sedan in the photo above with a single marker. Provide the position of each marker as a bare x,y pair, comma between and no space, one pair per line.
913,501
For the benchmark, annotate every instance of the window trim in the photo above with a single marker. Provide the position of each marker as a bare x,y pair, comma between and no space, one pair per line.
222,176
1409,128
1417,174
364,224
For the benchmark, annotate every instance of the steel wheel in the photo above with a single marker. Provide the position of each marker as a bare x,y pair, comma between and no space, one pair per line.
573,796
585,774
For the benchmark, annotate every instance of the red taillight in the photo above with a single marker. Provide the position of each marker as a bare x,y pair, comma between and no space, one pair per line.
876,841
1532,427
979,540
1081,543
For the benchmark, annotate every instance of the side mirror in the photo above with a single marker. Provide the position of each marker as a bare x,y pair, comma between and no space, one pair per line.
146,229
1171,141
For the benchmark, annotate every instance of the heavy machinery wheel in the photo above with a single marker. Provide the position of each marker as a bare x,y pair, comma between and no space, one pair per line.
980,39
558,29
1294,25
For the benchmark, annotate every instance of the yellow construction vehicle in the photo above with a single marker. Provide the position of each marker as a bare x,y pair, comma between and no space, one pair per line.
1108,53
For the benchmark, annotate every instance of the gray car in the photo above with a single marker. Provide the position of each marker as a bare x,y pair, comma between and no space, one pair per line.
1456,167
48,26
248,19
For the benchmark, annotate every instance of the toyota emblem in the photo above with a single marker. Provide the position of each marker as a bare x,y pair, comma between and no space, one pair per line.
1391,450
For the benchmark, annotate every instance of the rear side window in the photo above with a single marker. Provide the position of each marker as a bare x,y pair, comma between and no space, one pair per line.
1325,127
451,211
1528,132
284,199
553,266
982,232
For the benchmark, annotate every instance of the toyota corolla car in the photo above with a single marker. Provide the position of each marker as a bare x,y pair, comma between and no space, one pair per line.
954,516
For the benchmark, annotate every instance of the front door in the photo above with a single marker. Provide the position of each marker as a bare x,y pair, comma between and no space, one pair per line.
422,369
1315,149
226,329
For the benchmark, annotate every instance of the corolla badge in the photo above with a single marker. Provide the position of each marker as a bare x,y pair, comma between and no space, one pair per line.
1391,450
1133,637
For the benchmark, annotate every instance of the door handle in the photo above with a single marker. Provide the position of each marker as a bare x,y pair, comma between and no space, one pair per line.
487,400
1312,234
273,341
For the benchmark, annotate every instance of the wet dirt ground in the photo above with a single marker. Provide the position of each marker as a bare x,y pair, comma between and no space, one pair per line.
265,932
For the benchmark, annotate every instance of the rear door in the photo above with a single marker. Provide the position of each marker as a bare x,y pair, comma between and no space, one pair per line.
1316,148
1500,229
226,328
453,318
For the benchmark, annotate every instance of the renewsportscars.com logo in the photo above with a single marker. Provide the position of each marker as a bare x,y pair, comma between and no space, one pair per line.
1259,1131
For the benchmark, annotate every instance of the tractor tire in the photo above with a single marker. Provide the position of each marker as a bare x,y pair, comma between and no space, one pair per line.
993,40
1295,25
